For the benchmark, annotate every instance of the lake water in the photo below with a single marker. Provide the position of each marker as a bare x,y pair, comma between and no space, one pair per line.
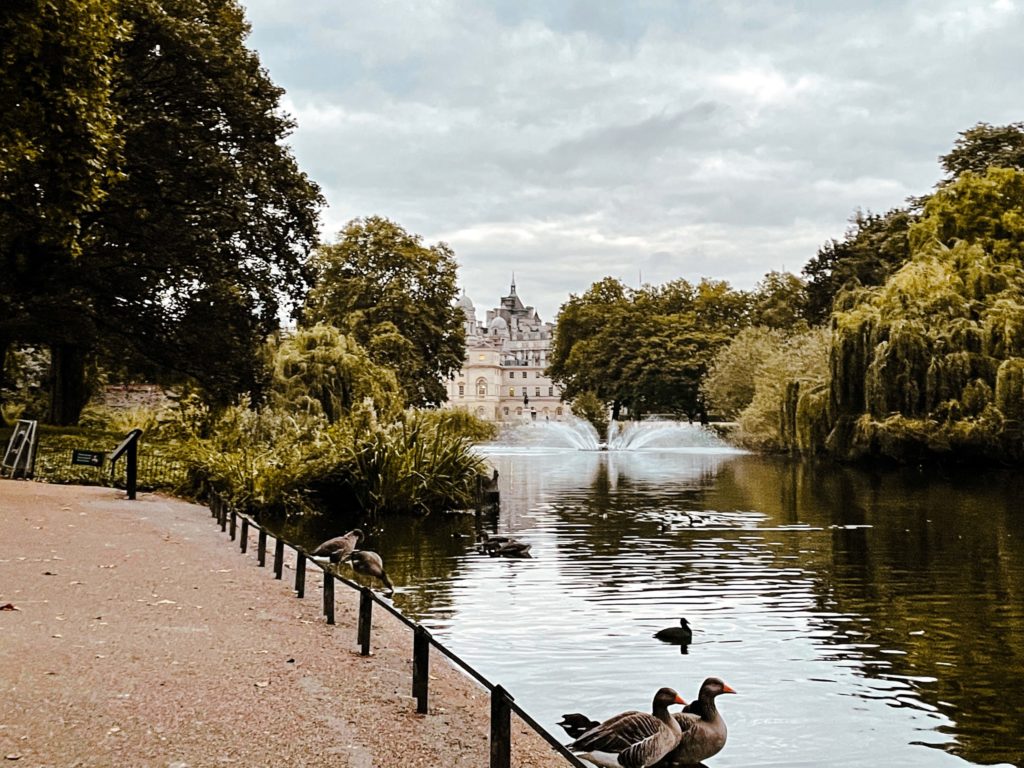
866,618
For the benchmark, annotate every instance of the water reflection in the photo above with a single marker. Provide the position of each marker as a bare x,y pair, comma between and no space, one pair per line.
865,618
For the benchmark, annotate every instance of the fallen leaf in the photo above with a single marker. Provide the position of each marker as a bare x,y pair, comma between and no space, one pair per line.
9,607
262,684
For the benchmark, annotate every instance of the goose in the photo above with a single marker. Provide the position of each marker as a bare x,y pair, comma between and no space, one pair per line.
703,728
340,547
681,634
576,724
633,739
370,564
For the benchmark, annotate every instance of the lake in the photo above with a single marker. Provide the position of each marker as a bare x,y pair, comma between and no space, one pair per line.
864,617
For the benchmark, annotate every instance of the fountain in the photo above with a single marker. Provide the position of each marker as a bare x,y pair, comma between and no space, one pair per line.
622,436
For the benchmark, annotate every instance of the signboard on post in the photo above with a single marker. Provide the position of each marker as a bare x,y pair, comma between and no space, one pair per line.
87,458
20,456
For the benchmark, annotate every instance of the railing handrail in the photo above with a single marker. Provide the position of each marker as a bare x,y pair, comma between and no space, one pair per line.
221,513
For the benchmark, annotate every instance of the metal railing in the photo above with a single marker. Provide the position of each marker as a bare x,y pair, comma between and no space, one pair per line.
502,702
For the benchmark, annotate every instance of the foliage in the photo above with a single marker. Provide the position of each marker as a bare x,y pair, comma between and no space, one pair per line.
396,297
927,362
320,372
873,247
780,301
202,221
790,368
416,464
983,146
587,405
647,349
730,382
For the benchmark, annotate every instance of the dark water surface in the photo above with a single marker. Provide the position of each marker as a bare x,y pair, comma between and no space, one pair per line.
866,618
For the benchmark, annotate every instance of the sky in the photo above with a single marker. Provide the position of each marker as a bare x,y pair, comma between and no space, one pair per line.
563,141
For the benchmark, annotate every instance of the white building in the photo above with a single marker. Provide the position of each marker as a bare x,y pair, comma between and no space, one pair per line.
502,378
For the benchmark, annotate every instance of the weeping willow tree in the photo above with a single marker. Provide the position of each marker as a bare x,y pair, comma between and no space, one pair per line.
932,361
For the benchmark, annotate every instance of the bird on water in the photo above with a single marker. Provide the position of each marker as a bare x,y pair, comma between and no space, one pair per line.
633,739
340,547
681,634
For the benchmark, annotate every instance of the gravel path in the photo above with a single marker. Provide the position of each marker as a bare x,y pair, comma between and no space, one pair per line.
134,633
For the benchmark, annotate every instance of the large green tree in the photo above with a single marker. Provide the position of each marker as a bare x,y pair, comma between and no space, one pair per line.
59,146
396,297
644,350
205,223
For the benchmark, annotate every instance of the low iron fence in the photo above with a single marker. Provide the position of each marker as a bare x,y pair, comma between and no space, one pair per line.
239,525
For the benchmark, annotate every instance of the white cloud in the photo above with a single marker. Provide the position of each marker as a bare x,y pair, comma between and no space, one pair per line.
569,141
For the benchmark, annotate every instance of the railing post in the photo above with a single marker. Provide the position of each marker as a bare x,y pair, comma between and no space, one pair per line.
501,728
261,548
420,667
234,523
278,557
329,596
222,519
132,467
244,543
365,620
300,574
214,501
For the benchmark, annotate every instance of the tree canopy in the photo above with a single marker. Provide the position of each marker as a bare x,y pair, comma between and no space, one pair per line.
396,297
198,222
644,349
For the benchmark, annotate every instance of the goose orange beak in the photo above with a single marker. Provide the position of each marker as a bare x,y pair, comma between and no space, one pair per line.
680,699
727,689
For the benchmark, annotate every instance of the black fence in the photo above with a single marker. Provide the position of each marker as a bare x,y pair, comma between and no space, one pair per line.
503,704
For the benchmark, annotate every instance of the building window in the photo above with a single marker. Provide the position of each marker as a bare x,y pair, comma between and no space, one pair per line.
537,375
551,391
536,391
506,411
462,390
558,411
481,387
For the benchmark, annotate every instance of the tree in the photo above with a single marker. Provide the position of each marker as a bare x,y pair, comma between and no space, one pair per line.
983,146
186,258
58,144
319,371
647,349
732,376
779,301
396,297
873,248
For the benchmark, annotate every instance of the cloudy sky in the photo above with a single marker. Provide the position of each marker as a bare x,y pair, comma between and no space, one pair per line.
568,140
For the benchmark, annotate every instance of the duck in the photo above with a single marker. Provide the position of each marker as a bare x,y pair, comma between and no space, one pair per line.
575,724
702,726
682,634
370,563
340,547
633,739
502,546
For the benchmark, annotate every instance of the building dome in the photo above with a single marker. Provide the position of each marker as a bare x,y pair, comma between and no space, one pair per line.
464,301
498,325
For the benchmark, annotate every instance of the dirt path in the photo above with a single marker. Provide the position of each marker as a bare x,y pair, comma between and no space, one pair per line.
143,637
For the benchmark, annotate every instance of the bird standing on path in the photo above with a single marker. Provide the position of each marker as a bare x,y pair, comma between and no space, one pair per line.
340,547
633,739
370,564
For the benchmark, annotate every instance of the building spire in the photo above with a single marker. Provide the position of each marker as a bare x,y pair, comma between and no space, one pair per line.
513,284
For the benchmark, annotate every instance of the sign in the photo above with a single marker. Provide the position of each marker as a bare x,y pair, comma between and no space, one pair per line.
87,458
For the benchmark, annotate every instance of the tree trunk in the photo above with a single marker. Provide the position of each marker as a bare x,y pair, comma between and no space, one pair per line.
616,407
5,344
68,393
